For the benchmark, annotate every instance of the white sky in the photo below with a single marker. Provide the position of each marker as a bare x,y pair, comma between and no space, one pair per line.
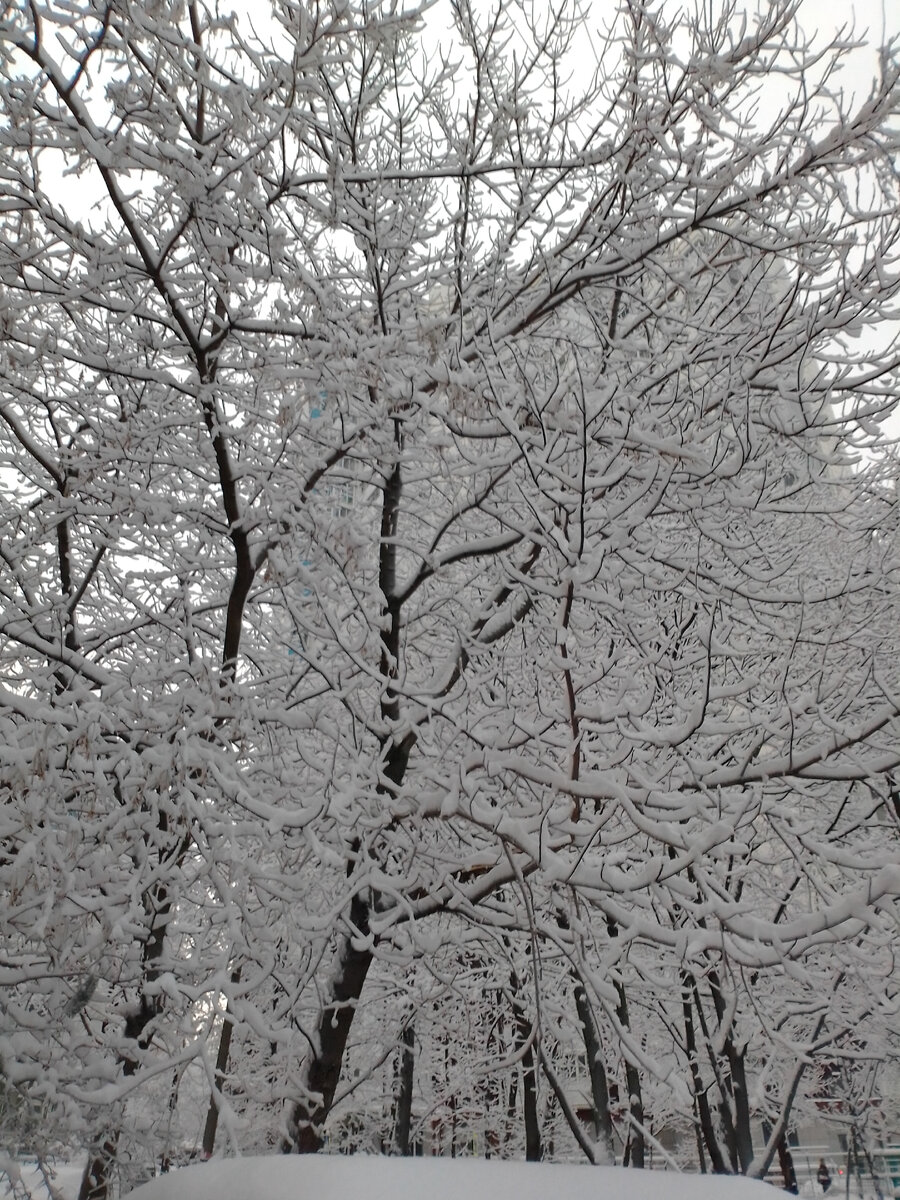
869,19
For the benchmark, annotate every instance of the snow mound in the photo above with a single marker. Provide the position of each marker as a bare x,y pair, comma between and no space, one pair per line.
323,1177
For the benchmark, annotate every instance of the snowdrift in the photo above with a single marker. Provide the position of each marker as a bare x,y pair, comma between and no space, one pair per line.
323,1177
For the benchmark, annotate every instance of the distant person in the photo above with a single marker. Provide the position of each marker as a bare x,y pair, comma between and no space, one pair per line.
823,1175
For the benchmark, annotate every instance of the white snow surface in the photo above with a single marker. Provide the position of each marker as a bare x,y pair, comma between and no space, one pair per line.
323,1177
21,1179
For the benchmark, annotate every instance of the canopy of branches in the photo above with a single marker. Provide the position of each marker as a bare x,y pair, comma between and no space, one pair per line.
448,580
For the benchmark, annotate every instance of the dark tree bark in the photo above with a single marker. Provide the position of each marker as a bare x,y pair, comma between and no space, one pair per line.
405,1077
524,1041
212,1114
602,1117
158,907
786,1162
635,1145
306,1123
701,1100
533,1147
97,1174
735,1098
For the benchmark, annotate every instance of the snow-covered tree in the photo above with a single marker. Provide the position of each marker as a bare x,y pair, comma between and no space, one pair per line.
430,504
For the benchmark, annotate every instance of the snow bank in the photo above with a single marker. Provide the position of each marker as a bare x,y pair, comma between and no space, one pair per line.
322,1177
20,1179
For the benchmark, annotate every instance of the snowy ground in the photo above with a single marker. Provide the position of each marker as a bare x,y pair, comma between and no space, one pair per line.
435,1179
25,1181
337,1178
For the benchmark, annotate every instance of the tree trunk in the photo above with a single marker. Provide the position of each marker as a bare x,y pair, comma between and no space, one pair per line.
533,1149
512,1105
742,1128
524,1042
736,1097
96,1178
158,907
101,1159
602,1118
306,1122
212,1113
403,1119
701,1100
723,1082
786,1162
635,1148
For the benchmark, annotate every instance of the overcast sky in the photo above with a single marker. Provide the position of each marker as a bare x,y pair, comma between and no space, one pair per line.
878,20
